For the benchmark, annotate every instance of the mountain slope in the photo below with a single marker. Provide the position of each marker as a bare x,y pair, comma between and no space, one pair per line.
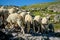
42,5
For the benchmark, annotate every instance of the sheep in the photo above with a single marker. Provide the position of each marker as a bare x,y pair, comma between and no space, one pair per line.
16,18
3,15
37,23
44,22
12,17
50,27
12,10
1,9
48,16
37,18
23,14
28,18
28,22
2,22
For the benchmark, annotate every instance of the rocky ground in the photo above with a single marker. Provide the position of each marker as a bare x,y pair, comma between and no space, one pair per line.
33,36
36,36
30,37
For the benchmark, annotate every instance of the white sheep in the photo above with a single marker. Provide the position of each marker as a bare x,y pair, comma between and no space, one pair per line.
37,18
37,23
45,22
12,17
16,18
28,18
12,10
48,16
23,14
3,10
28,21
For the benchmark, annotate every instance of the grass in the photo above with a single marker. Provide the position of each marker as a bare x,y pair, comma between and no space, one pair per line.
42,5
57,26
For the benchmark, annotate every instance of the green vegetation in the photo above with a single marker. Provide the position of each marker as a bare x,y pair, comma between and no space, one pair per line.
42,5
57,26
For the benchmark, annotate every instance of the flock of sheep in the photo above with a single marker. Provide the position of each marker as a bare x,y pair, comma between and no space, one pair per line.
14,18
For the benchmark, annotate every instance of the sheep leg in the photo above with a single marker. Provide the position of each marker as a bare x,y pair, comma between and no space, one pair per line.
10,24
28,27
40,28
22,30
33,27
20,25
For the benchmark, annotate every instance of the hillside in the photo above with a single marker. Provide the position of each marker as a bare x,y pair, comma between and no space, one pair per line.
45,8
42,5
51,8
